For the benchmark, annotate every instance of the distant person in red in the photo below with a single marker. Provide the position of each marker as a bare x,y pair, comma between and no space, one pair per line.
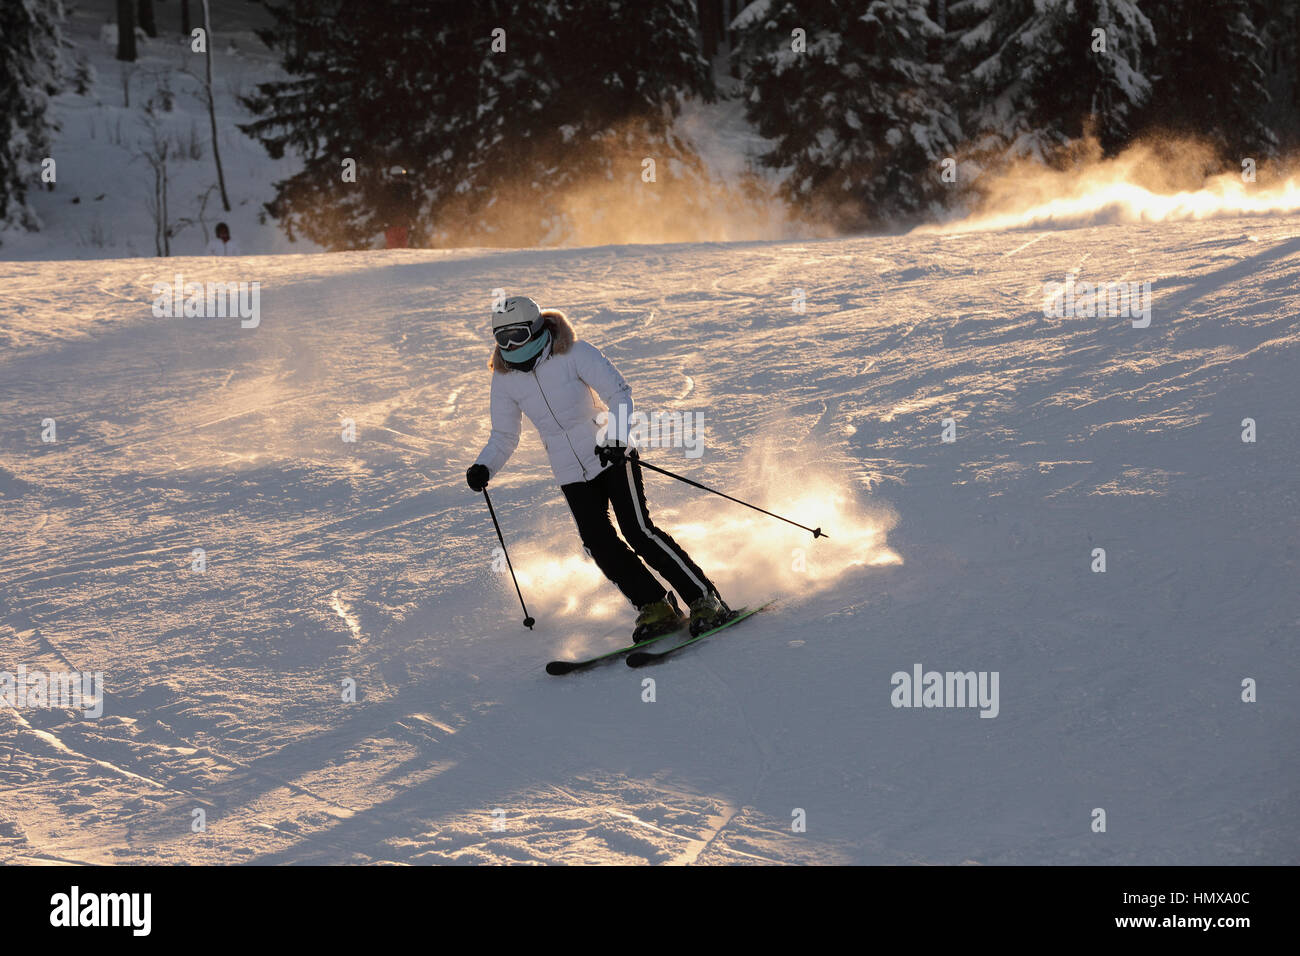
397,201
222,244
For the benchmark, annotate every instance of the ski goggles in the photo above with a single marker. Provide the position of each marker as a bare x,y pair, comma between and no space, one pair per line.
513,336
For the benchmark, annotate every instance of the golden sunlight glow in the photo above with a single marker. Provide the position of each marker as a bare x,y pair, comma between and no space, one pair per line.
750,557
1153,181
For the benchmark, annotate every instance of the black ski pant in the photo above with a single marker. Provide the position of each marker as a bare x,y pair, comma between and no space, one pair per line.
621,560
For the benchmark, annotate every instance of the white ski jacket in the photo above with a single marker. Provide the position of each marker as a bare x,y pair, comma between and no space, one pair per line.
557,396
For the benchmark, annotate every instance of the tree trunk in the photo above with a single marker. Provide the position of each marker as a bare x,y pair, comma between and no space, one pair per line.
126,30
144,13
712,20
166,227
157,209
212,105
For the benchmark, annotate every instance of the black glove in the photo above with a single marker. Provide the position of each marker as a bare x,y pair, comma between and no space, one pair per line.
611,454
477,477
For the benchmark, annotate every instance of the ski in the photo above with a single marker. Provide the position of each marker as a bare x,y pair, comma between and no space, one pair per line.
645,658
556,668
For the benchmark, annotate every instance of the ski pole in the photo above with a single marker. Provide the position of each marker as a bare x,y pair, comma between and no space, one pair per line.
528,619
816,532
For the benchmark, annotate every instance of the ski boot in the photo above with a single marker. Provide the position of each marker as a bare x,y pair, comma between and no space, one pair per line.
657,618
707,612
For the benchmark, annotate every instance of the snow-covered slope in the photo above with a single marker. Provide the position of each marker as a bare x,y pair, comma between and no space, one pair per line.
329,561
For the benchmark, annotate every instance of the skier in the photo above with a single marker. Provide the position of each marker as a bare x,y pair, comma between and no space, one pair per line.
541,371
223,245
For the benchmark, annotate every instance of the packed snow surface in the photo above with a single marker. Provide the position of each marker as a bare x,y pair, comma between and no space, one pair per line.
330,562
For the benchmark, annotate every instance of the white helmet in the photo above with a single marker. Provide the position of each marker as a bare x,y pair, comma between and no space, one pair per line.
518,309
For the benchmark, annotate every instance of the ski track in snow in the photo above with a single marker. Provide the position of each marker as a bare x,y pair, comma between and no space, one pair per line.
330,561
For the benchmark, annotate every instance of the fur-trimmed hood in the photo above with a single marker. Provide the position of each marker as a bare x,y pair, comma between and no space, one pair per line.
561,339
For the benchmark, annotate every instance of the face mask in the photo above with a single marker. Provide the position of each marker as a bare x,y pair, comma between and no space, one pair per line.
528,350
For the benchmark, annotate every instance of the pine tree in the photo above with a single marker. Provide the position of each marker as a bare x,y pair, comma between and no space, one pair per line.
1114,40
1280,27
1033,75
1211,75
32,69
454,139
859,117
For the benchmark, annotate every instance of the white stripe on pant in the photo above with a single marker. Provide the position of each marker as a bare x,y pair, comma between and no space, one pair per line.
640,517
